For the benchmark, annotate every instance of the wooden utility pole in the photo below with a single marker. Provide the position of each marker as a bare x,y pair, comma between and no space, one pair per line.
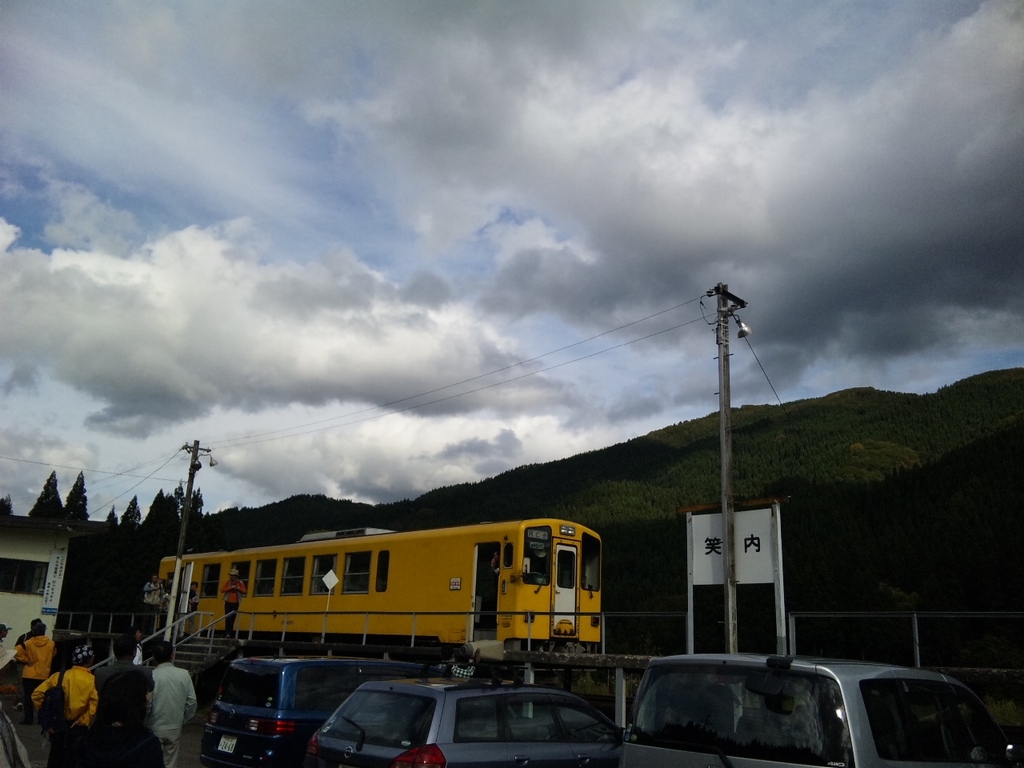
193,467
727,304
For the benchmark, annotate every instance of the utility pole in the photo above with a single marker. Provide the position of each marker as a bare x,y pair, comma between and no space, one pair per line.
727,305
193,467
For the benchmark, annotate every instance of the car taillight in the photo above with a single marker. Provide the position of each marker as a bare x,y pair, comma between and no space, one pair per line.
270,727
313,745
212,717
428,756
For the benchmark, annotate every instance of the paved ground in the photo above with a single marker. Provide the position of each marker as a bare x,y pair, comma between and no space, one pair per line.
37,752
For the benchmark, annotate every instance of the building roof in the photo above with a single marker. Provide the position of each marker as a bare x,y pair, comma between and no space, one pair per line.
74,528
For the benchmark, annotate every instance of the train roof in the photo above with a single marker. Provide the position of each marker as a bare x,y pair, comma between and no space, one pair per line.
324,537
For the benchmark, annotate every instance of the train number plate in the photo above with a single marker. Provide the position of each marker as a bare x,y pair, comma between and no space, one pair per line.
227,744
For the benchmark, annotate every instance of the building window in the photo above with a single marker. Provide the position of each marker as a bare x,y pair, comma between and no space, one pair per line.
211,580
321,565
294,572
357,573
266,573
24,576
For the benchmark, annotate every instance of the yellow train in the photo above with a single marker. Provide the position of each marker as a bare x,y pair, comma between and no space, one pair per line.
528,584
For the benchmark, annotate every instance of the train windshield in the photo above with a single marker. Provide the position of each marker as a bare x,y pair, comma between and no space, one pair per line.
537,555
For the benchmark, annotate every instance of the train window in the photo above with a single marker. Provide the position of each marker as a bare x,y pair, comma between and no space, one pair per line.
211,580
322,564
357,573
591,569
383,565
565,570
537,556
266,574
506,555
293,575
243,570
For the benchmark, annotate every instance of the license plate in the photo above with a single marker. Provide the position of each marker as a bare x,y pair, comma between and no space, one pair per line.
227,744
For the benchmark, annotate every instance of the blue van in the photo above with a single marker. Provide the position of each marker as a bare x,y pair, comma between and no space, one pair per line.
267,708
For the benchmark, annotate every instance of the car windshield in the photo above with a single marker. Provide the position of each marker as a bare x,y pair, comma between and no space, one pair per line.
781,716
382,718
249,685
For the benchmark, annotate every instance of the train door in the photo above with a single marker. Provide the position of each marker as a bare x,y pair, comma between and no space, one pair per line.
563,617
485,591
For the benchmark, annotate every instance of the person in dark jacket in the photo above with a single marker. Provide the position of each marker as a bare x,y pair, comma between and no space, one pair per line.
124,651
119,738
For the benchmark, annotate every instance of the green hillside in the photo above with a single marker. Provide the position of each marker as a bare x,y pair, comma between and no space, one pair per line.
897,501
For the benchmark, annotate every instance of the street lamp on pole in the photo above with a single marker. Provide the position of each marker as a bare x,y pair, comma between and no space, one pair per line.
194,466
727,306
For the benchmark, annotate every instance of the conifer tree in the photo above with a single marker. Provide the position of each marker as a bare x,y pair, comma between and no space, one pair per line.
48,504
76,507
6,508
132,516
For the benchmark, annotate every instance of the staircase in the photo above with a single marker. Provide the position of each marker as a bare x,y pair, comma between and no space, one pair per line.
197,654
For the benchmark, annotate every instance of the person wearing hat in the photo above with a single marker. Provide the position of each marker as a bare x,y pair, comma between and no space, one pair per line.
80,701
233,590
4,629
36,653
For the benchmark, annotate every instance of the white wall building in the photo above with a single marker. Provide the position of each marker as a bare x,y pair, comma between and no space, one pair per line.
33,554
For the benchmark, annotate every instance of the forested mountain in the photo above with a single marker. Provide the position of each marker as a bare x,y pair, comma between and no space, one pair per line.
896,502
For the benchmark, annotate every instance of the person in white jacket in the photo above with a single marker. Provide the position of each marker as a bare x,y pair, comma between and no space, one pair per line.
174,701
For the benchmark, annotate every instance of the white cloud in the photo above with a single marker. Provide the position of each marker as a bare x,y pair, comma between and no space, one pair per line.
286,223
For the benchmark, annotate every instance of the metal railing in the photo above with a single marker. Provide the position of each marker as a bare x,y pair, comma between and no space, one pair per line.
914,617
90,623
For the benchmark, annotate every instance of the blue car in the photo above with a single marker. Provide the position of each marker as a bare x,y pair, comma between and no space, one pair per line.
267,708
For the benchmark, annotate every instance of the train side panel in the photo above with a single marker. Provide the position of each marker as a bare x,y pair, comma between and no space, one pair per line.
519,582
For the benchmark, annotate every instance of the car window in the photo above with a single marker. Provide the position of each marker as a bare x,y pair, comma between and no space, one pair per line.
923,720
476,719
382,718
530,718
324,687
249,685
582,726
783,716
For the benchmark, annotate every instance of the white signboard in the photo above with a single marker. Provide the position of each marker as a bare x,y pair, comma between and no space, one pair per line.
754,551
330,579
54,580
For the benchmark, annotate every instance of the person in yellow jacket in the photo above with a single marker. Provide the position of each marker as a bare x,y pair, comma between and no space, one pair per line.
80,702
36,653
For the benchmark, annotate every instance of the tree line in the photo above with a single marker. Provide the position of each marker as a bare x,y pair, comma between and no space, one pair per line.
895,502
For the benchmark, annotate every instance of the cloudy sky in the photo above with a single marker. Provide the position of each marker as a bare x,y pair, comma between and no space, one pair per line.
372,248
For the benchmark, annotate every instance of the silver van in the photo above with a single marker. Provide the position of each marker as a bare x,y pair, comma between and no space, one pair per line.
745,711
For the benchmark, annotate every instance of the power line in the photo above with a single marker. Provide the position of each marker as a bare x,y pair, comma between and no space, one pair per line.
763,371
126,473
148,477
388,408
461,394
250,439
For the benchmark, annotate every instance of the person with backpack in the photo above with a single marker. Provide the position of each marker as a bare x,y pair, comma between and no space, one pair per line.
36,653
77,688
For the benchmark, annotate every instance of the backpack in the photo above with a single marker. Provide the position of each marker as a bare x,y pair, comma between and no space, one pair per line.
51,711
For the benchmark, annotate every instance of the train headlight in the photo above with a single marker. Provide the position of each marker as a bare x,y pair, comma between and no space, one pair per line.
567,530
